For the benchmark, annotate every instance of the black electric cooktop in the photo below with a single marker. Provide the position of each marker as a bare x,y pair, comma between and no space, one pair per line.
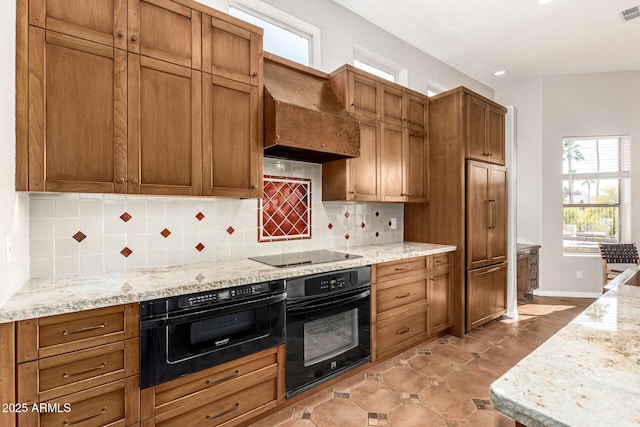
303,258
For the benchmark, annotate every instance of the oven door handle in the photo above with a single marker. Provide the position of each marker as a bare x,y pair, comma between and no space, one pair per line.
310,307
208,313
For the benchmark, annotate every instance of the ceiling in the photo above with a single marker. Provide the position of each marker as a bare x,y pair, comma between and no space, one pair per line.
528,40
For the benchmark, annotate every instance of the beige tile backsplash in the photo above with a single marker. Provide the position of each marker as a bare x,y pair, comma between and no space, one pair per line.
56,218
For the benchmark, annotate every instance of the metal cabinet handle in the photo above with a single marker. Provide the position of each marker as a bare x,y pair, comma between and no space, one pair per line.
403,331
121,179
88,417
134,37
134,180
254,186
120,33
225,412
221,380
88,328
404,295
406,267
494,214
84,371
254,74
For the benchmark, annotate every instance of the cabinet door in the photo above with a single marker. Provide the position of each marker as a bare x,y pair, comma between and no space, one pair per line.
498,211
164,147
363,97
486,294
479,213
363,170
415,167
495,136
231,51
439,296
391,163
77,114
394,106
232,145
103,22
149,35
476,128
417,113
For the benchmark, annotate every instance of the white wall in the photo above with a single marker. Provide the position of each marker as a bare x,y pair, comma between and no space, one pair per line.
548,110
14,217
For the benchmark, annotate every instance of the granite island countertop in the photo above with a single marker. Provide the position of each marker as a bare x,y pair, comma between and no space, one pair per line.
46,297
587,374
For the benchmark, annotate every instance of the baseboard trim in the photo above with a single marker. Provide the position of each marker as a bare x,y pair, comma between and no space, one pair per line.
569,294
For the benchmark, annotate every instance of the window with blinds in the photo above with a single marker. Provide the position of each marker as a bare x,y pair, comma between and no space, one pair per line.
594,172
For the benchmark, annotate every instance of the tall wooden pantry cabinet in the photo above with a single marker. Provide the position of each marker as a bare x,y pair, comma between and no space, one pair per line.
468,203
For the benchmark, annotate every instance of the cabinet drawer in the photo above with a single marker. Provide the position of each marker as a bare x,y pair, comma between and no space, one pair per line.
400,328
441,261
80,330
98,406
399,267
214,411
64,374
391,297
214,377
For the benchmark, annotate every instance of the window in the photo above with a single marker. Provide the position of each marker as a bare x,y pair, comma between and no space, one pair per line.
374,70
595,172
284,35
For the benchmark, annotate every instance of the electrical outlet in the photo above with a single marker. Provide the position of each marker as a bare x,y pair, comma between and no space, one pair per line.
578,274
394,223
9,250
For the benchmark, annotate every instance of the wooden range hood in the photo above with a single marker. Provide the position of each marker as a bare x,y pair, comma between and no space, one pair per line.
303,118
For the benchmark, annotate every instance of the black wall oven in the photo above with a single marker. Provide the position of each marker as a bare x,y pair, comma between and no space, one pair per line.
328,326
184,334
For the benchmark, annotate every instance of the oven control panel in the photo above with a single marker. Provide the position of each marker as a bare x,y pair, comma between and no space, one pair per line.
330,283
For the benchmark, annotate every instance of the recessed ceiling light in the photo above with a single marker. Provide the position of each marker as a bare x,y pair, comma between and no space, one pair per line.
500,73
544,1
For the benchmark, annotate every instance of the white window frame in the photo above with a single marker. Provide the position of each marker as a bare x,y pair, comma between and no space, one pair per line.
374,60
624,202
288,22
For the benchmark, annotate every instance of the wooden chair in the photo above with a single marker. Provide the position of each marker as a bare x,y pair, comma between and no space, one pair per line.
616,253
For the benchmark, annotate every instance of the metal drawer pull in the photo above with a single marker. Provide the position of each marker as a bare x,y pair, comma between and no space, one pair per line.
228,377
408,267
404,296
225,412
88,328
84,371
88,417
404,331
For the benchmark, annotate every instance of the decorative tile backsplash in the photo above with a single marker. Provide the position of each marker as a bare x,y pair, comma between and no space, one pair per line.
285,209
88,234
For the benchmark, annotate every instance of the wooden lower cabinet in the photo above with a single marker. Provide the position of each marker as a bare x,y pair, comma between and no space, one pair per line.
79,368
227,394
486,294
410,303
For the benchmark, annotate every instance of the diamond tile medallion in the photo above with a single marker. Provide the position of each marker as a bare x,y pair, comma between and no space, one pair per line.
285,209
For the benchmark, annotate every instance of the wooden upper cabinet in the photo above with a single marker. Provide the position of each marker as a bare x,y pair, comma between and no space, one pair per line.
232,138
485,131
392,157
355,179
103,22
394,105
415,167
231,51
487,219
417,112
77,114
165,30
164,144
363,97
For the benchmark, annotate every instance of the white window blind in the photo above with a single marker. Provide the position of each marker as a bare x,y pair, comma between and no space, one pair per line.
596,158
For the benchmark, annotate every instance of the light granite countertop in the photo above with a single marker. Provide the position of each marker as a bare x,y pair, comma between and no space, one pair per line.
587,374
41,297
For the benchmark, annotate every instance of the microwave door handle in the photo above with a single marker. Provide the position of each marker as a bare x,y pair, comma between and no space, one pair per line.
205,314
310,307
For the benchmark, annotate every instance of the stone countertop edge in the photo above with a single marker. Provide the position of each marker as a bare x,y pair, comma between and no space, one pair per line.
584,375
47,297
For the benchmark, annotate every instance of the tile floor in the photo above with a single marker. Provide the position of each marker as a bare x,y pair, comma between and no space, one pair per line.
444,382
